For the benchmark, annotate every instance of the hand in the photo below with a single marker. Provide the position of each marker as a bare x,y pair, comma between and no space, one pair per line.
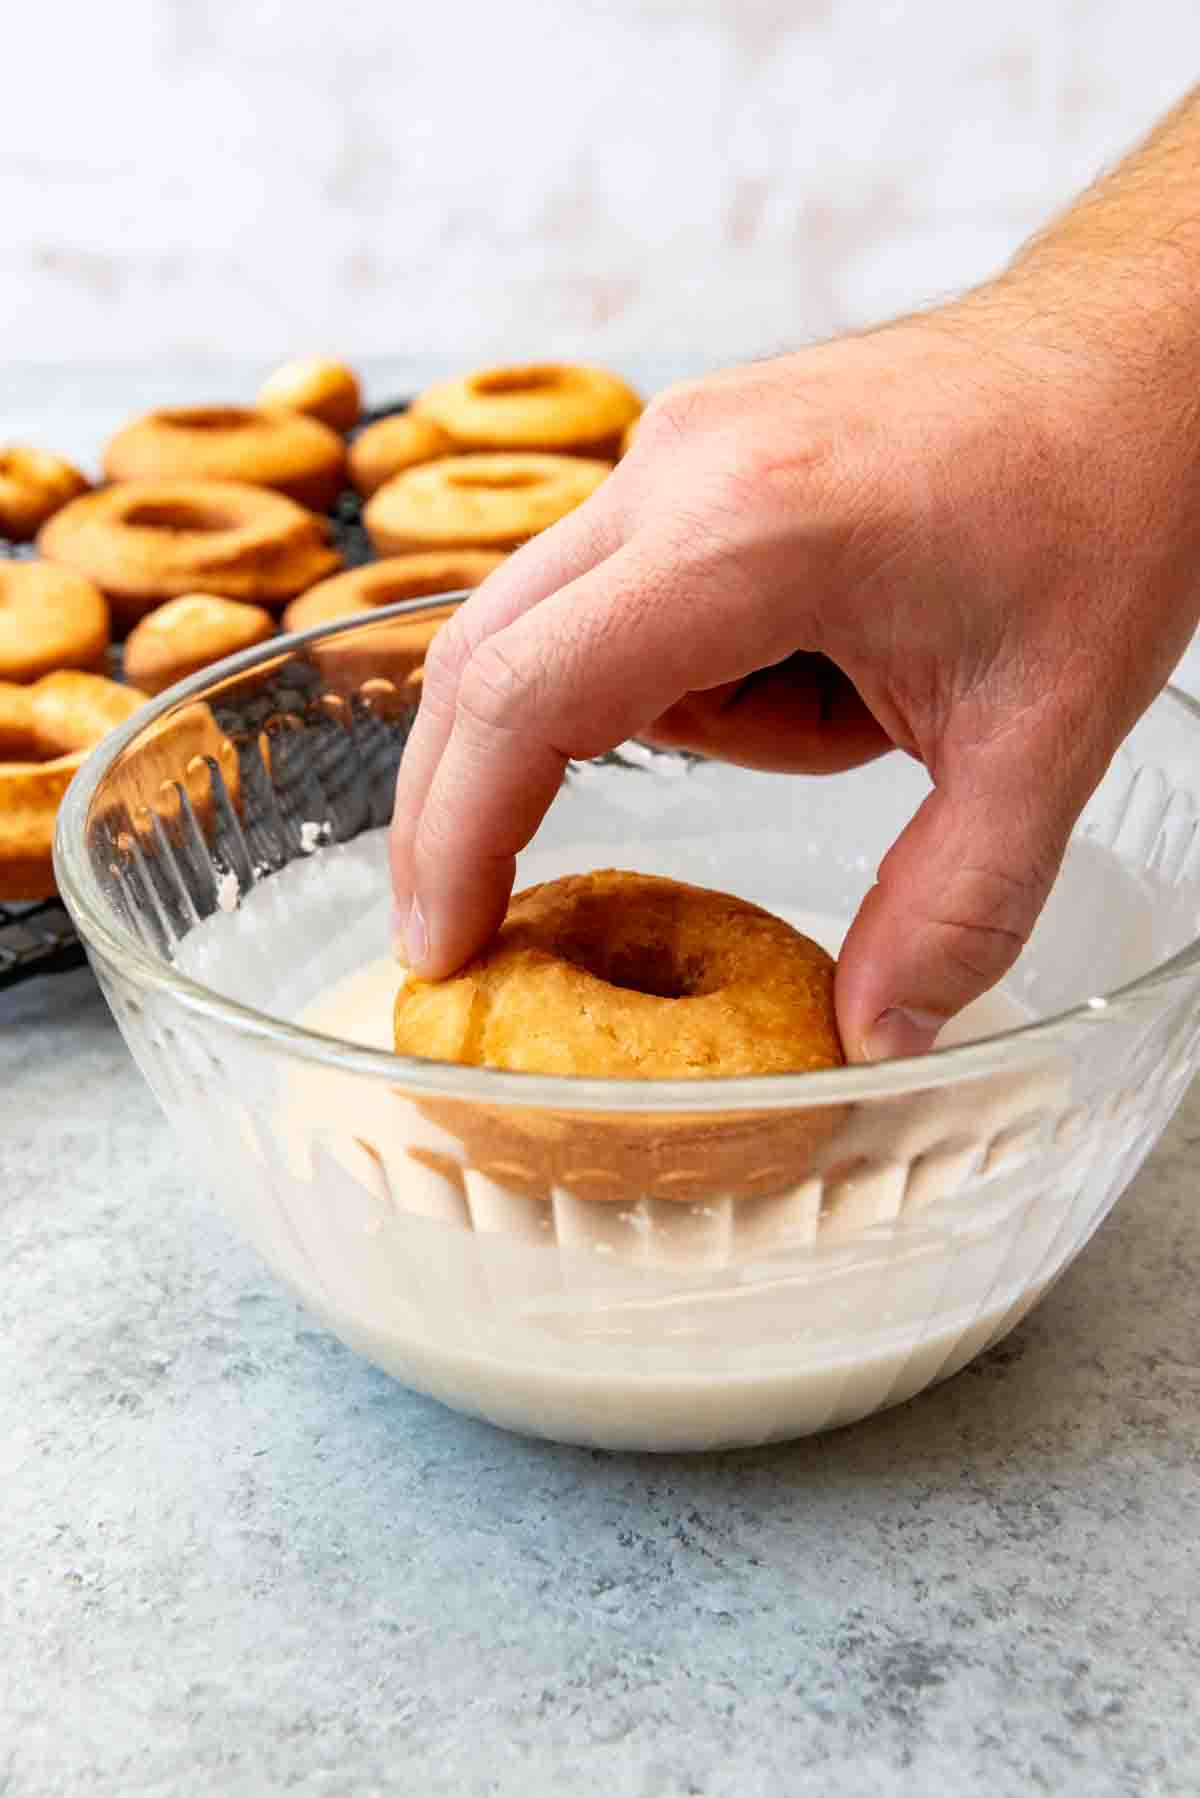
967,536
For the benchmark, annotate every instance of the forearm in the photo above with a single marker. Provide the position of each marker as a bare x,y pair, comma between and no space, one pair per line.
1119,271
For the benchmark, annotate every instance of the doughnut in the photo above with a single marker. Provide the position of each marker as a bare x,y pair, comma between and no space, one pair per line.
393,444
33,484
49,618
186,634
632,976
627,436
558,406
297,456
46,729
481,502
385,582
142,542
322,389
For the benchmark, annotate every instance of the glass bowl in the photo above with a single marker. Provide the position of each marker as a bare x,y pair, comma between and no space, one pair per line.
652,1265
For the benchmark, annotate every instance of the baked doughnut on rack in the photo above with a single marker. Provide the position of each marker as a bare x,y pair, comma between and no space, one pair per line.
143,542
186,634
33,485
479,502
391,445
49,618
316,386
295,455
46,729
388,581
558,406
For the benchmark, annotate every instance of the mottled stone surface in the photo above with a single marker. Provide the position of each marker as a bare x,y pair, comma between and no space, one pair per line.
235,1559
178,176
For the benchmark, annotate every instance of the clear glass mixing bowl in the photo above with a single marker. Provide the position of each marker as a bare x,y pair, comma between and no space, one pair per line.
657,1265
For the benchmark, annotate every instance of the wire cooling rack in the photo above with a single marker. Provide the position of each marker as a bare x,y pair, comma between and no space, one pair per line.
38,937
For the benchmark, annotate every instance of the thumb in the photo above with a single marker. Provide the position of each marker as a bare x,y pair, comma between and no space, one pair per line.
953,903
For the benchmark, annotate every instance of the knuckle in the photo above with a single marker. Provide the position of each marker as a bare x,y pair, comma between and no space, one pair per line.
989,918
493,690
672,414
447,654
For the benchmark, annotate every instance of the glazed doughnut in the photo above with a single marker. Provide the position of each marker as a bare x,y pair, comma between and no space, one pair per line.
481,502
33,485
392,445
145,541
313,385
632,976
297,456
385,582
49,618
46,729
627,436
187,634
559,406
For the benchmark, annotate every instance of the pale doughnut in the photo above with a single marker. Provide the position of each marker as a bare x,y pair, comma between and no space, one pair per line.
187,634
49,618
392,445
559,406
46,729
314,385
388,581
33,485
480,502
295,455
142,542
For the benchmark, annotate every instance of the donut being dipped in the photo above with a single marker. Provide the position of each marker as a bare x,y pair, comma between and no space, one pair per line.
33,485
49,618
617,975
284,450
562,407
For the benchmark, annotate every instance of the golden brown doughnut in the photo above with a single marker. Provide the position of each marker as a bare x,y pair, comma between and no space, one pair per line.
187,634
296,456
392,445
325,390
46,729
386,582
617,975
627,436
33,484
49,618
146,541
481,502
559,406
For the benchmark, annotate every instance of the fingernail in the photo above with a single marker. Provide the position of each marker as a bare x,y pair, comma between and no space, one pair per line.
416,937
397,925
902,1030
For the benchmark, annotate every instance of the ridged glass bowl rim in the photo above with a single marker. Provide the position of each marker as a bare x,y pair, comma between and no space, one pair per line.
105,933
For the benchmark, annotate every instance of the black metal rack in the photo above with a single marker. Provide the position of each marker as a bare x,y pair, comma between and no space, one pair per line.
38,937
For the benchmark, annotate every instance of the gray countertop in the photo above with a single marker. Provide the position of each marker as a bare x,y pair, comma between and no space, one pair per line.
235,1559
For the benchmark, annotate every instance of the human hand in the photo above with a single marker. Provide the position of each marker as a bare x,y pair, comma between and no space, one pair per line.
969,536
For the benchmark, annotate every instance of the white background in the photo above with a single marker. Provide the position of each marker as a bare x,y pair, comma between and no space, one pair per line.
190,178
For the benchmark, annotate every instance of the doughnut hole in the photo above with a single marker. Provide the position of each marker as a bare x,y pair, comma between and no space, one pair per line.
178,515
208,418
535,378
500,478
